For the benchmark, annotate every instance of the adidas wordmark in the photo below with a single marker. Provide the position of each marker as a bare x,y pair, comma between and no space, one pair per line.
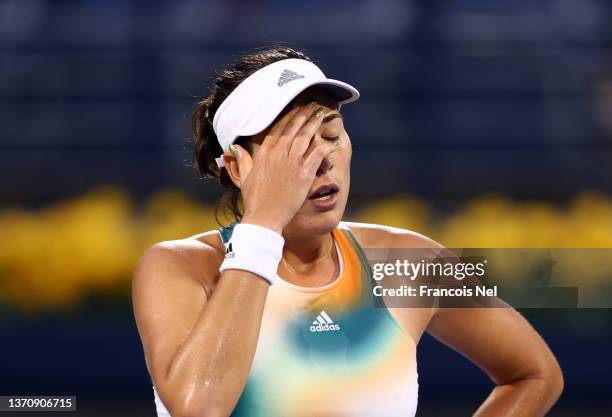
324,323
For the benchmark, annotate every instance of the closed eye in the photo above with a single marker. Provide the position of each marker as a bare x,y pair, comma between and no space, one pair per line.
332,116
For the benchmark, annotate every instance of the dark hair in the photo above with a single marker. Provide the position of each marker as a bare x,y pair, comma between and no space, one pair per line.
206,144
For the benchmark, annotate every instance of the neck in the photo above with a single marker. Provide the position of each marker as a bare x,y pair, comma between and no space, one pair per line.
302,254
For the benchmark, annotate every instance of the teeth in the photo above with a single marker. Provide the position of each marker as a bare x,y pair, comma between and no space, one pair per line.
326,192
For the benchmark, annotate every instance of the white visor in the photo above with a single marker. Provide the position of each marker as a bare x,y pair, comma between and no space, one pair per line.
260,98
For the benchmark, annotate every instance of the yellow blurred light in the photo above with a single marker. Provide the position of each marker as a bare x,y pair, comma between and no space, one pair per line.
53,257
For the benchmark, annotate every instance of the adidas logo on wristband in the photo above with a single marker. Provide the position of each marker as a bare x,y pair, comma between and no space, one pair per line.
229,252
254,249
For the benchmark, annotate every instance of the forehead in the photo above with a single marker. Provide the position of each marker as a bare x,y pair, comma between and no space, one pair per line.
321,95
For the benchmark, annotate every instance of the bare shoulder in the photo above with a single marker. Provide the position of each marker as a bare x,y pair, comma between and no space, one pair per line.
196,257
413,321
380,236
171,283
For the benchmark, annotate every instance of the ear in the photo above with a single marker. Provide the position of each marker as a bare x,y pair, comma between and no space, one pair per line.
239,166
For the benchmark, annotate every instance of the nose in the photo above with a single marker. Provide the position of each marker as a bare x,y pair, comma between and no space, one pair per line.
325,166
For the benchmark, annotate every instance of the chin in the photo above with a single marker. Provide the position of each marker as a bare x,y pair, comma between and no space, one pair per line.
317,223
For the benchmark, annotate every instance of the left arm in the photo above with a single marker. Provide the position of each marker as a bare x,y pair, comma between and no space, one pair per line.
501,342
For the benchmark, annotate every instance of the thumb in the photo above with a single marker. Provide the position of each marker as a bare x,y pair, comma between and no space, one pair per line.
243,161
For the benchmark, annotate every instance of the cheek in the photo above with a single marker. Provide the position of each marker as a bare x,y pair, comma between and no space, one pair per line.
346,150
342,161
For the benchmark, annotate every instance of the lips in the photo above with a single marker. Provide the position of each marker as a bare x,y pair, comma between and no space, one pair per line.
324,191
324,198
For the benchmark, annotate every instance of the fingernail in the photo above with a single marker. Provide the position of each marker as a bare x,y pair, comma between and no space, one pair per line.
234,150
319,112
311,103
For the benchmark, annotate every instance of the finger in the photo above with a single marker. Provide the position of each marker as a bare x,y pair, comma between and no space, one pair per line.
319,152
295,124
277,128
277,131
304,137
280,124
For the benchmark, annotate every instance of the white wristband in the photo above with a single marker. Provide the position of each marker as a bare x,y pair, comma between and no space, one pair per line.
255,249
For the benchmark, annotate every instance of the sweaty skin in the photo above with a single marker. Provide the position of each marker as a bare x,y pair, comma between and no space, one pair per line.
199,328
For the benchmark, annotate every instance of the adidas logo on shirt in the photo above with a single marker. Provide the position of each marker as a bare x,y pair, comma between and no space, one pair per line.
324,323
288,76
229,252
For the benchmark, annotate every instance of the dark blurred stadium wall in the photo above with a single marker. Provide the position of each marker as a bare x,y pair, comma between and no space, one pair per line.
458,98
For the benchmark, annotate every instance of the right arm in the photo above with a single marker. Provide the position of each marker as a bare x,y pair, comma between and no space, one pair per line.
198,350
199,345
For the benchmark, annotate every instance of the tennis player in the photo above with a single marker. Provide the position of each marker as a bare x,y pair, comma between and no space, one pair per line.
272,316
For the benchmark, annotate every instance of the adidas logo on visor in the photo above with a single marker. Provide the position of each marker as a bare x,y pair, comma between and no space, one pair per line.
288,76
324,323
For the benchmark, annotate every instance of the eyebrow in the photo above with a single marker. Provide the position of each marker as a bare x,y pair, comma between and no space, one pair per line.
331,117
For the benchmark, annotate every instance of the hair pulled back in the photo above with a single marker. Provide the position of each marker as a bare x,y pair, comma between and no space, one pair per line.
206,144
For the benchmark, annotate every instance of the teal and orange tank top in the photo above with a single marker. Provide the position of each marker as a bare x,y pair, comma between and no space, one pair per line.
329,351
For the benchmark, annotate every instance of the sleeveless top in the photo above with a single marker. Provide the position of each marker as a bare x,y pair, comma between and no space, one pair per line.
329,351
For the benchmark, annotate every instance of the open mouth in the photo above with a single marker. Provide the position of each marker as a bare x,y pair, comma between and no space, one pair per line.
324,192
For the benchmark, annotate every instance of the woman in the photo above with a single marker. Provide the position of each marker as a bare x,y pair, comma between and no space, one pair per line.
272,315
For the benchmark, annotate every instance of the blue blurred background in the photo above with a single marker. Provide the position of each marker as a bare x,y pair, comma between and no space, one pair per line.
480,124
